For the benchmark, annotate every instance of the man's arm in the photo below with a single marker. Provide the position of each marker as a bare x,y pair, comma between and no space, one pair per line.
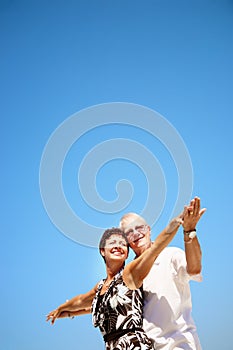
79,305
192,247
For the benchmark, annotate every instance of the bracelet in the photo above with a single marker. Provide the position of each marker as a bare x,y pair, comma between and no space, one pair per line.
191,234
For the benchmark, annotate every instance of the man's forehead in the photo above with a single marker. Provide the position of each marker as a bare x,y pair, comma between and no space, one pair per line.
132,222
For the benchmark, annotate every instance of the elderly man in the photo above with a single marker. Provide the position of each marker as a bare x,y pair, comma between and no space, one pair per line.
167,298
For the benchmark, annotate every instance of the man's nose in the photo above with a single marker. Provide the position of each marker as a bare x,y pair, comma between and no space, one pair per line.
135,230
133,235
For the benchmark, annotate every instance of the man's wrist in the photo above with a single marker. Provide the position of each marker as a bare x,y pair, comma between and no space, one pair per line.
189,235
189,228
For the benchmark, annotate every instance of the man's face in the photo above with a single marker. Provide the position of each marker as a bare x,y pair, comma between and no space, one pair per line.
138,234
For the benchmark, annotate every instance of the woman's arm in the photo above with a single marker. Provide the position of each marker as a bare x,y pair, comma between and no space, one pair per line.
138,269
80,304
72,314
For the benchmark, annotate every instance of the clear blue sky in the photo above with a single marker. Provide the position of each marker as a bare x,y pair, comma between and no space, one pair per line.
60,57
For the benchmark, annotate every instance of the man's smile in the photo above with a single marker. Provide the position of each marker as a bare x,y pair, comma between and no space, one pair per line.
136,237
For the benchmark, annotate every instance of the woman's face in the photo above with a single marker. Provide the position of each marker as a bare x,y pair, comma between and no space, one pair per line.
115,249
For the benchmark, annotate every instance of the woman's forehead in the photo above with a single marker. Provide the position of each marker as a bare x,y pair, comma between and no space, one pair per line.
116,236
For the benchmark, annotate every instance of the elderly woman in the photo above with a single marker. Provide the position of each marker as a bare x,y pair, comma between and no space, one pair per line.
116,302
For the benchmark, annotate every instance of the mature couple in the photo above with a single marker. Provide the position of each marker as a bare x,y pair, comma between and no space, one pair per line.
147,303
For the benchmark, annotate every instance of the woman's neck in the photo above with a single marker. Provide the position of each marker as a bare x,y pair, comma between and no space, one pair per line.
112,271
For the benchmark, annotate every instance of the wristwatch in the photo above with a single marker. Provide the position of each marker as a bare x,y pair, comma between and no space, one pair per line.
191,234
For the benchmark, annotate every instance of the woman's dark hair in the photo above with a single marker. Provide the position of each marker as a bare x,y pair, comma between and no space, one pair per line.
108,233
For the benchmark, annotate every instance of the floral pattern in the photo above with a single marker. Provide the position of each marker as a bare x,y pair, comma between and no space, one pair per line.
120,297
118,309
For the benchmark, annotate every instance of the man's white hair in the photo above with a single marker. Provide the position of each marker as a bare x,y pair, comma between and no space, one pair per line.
130,218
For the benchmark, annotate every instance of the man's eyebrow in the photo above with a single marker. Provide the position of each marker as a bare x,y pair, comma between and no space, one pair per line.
129,230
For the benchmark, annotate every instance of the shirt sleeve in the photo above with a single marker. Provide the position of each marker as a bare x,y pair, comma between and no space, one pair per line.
180,267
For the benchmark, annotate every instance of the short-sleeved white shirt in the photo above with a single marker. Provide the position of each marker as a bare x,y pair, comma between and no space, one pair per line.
167,303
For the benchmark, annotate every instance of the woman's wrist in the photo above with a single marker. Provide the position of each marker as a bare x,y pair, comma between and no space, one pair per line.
174,224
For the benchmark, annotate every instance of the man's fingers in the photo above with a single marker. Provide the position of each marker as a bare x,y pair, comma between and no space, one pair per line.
186,210
197,205
202,211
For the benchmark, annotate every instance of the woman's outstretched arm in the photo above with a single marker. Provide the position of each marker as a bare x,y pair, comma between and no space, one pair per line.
79,305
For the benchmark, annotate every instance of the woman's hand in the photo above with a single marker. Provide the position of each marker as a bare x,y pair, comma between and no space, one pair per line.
53,315
175,223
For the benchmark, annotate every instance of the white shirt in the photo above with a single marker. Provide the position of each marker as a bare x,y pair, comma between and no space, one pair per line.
167,303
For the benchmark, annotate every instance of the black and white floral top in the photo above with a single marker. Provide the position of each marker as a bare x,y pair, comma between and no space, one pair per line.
119,308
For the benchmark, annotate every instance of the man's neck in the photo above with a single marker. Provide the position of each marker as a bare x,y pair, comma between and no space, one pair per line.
141,249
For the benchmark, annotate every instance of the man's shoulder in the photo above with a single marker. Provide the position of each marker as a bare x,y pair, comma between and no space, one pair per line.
170,252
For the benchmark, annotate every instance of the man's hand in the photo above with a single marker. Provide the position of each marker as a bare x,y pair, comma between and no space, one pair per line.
192,214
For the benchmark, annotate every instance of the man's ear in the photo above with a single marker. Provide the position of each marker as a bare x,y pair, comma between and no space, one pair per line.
149,229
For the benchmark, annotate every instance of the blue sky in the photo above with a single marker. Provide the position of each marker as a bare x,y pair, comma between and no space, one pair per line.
61,57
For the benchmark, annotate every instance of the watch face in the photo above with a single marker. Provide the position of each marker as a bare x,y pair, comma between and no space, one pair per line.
192,234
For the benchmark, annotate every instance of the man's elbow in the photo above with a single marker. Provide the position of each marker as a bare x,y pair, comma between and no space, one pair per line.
194,270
